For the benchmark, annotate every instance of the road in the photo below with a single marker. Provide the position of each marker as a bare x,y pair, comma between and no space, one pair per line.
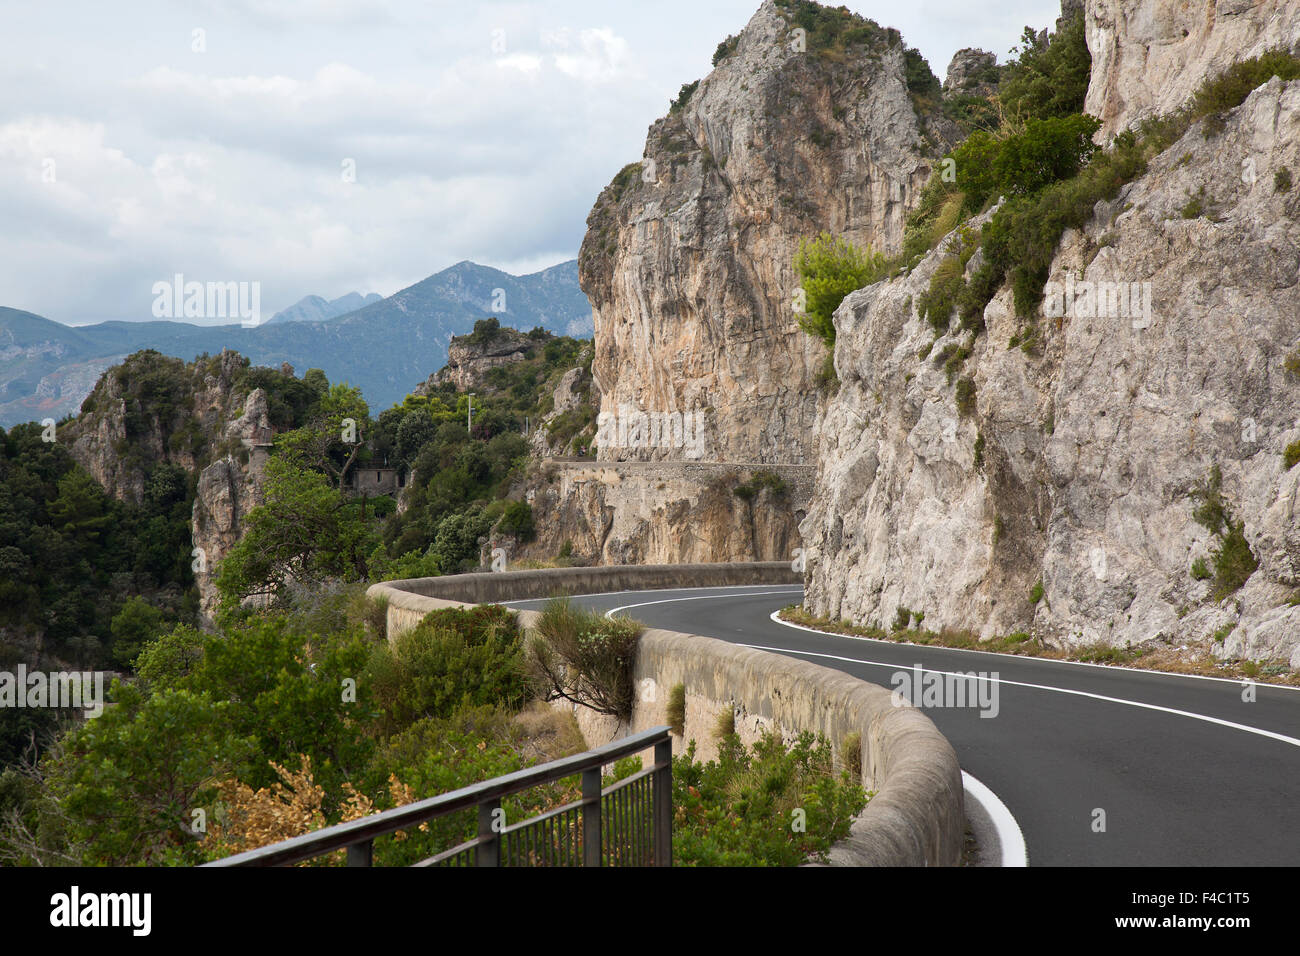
1184,772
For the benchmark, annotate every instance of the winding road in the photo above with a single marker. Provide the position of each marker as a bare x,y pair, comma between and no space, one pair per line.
1180,770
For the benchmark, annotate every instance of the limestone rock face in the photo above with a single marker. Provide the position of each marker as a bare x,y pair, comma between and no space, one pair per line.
688,255
1080,461
660,513
1150,56
468,362
972,72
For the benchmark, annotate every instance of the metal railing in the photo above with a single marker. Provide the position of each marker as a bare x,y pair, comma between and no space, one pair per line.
627,824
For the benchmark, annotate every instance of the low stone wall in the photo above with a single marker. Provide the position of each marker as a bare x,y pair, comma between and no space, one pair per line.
916,817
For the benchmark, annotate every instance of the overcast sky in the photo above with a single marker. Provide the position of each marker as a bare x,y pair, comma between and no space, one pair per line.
140,139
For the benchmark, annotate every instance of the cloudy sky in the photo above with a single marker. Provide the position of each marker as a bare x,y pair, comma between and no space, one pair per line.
325,146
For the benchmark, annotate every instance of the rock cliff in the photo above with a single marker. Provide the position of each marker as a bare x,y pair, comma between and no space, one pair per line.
1082,462
1149,56
688,254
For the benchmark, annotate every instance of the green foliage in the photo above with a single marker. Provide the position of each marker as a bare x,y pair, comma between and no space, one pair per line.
453,659
71,556
831,31
307,530
683,96
1229,89
902,618
1036,594
517,520
966,396
774,806
1233,560
134,626
1291,457
937,302
585,657
456,543
1200,571
725,49
829,269
1048,79
763,478
1282,180
129,780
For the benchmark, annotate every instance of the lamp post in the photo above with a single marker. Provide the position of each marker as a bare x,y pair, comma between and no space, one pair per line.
469,413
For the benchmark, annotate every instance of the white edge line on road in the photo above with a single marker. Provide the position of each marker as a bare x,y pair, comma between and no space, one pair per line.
775,616
1232,725
1010,839
705,597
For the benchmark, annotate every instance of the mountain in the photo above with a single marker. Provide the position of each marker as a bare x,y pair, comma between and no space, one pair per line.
312,308
386,347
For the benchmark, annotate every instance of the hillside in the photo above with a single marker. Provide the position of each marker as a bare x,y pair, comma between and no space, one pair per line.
47,369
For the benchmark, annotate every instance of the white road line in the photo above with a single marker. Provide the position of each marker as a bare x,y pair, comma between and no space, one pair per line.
1010,839
1294,742
705,597
775,616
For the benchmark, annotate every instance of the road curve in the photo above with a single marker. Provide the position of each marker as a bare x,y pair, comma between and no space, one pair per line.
1185,771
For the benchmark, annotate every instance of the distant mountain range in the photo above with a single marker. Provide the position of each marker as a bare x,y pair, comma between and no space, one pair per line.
312,308
384,346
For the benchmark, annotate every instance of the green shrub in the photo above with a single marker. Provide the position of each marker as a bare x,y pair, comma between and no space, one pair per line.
585,657
683,95
1036,593
1048,78
454,658
902,618
1200,571
829,269
763,478
774,806
725,49
517,520
1230,88
1282,180
937,302
966,397
1234,562
1291,457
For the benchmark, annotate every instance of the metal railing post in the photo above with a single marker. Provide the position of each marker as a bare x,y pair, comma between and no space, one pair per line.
488,852
663,803
361,854
591,796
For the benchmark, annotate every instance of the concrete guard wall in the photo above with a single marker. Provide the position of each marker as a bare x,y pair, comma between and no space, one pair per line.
915,818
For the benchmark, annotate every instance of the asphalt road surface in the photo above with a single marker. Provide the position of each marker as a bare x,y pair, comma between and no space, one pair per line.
1183,771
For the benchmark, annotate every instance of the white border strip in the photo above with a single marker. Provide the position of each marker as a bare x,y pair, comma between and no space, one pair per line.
1010,839
1237,681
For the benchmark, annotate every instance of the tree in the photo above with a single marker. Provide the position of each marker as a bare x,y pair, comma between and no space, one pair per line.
330,442
306,531
138,623
829,269
1048,77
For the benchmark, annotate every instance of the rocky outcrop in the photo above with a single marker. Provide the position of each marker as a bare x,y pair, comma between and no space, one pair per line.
469,359
972,72
1150,56
1079,462
661,513
688,256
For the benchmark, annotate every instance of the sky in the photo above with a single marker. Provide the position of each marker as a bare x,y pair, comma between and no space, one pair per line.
326,146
